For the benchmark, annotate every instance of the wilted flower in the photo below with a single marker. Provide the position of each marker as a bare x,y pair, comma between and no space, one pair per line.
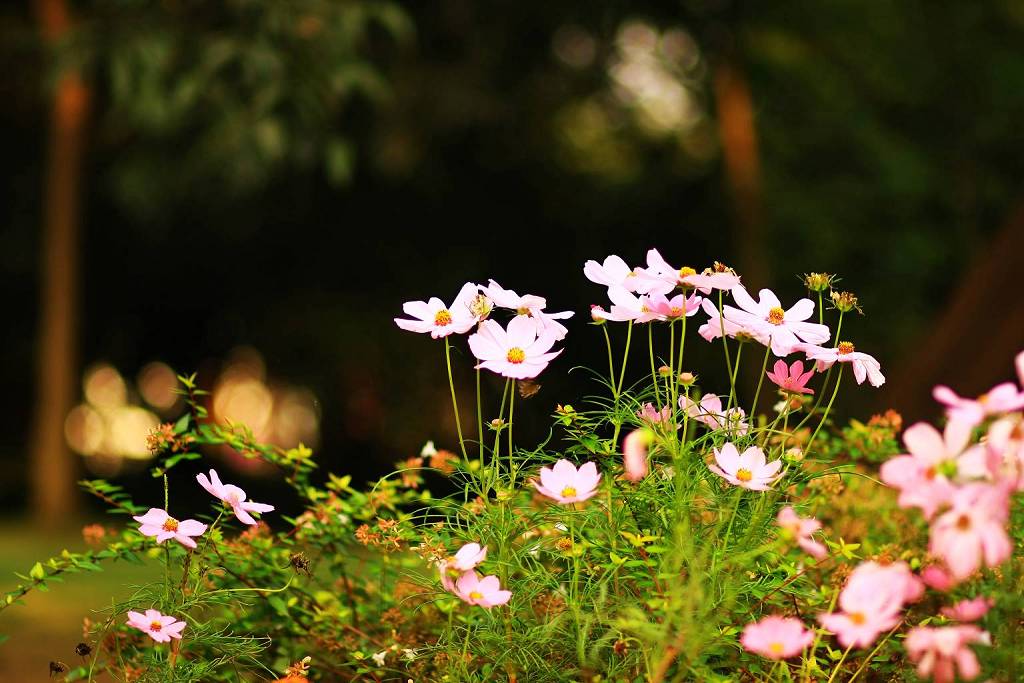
439,320
232,496
749,470
158,523
157,626
845,302
565,484
776,637
818,282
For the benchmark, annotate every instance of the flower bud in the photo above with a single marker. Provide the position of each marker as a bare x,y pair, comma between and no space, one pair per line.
497,423
845,302
687,378
664,371
818,282
596,313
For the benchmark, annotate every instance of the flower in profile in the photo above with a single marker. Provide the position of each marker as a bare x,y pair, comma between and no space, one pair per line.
652,416
969,610
940,652
159,627
749,470
925,474
466,559
972,532
1005,445
786,328
1003,398
776,637
801,529
531,307
483,591
612,272
565,484
709,411
634,453
661,278
158,523
232,496
864,366
871,601
516,352
791,378
627,306
439,320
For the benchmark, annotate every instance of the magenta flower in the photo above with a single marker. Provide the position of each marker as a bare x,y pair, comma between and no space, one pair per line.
748,470
516,352
972,532
1004,398
786,328
565,484
791,378
613,272
864,366
233,496
157,626
969,610
776,637
940,652
158,523
439,320
483,591
709,411
634,453
466,559
871,602
532,307
925,475
801,529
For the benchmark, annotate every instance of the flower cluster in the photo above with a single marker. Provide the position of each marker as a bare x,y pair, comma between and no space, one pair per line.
459,577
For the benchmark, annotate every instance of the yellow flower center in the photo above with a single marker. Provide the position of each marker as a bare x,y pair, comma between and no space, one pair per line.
775,648
476,595
515,355
155,626
676,312
522,310
776,316
857,618
963,523
171,524
686,271
983,399
442,318
744,474
845,348
644,309
568,492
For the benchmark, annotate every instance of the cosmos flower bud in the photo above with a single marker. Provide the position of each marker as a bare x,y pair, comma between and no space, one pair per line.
497,423
664,371
596,314
687,378
845,302
818,282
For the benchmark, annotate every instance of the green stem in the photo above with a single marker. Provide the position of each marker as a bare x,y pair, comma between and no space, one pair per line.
479,418
828,408
732,380
760,380
867,660
511,410
725,345
455,403
654,370
839,664
496,451
611,363
839,328
625,357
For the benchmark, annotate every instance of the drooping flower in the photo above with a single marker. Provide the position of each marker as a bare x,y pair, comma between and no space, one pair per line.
483,591
439,320
158,523
786,328
652,416
1003,398
466,559
972,532
940,652
531,307
613,272
157,626
709,411
776,637
969,610
634,453
791,378
864,366
925,474
233,497
566,484
749,470
516,352
871,601
801,528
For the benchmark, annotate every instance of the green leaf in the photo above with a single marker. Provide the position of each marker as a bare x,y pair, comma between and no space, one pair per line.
181,426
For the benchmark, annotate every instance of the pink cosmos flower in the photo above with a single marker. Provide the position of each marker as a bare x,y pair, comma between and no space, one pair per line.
466,559
748,470
1005,445
439,320
676,307
940,652
864,366
969,610
717,323
776,637
1004,398
531,307
709,411
801,528
565,484
661,278
628,306
157,626
871,602
1019,362
925,475
651,415
786,328
971,532
613,272
232,496
516,352
792,378
937,578
158,523
634,453
483,591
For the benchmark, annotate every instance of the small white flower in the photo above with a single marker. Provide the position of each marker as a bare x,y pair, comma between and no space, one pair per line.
379,657
428,450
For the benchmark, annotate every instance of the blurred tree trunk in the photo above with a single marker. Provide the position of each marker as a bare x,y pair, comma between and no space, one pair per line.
52,468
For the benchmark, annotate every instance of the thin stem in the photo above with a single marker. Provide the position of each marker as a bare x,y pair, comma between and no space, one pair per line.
732,380
839,664
496,451
625,357
839,328
511,410
821,308
760,380
479,418
455,403
878,647
828,408
725,345
654,370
